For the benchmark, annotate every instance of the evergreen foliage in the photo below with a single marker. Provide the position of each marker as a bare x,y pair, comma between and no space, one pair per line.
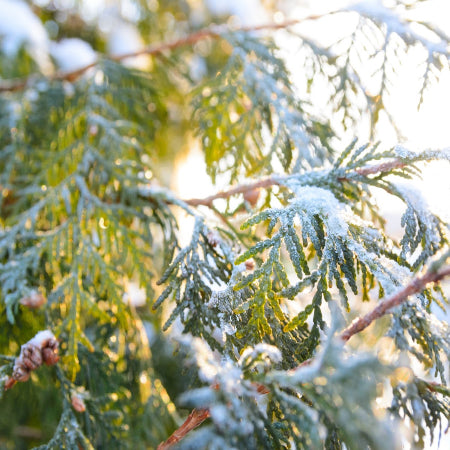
243,319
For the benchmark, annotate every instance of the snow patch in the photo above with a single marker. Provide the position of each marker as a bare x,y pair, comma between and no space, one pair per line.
72,54
314,200
134,295
415,200
41,338
269,351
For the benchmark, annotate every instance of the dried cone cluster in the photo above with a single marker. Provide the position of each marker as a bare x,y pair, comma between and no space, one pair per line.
77,402
213,238
43,348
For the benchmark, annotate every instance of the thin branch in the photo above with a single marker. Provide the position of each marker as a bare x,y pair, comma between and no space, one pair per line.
195,418
381,168
416,285
276,181
214,32
241,189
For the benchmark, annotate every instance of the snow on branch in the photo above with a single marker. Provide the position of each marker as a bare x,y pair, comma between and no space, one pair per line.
435,274
42,348
404,158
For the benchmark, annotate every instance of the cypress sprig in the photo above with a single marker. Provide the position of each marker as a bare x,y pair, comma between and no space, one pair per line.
239,303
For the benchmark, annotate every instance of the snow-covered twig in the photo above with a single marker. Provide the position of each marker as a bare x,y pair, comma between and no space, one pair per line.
41,349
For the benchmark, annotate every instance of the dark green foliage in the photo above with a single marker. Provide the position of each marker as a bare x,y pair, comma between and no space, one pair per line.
204,262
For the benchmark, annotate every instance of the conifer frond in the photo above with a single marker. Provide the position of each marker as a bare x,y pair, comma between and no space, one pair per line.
77,209
420,333
190,278
423,230
300,402
320,397
249,118
317,241
313,225
362,67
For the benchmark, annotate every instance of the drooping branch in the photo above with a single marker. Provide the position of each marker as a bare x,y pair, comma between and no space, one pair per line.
415,286
154,50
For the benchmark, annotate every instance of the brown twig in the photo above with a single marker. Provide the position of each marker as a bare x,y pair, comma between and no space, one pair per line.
413,287
416,285
195,418
273,181
381,168
241,189
154,50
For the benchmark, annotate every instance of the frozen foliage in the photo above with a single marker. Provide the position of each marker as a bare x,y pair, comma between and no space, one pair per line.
422,228
301,405
427,155
258,110
232,405
265,285
318,201
321,380
260,351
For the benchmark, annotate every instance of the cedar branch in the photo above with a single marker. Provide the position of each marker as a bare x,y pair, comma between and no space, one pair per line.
416,285
241,189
